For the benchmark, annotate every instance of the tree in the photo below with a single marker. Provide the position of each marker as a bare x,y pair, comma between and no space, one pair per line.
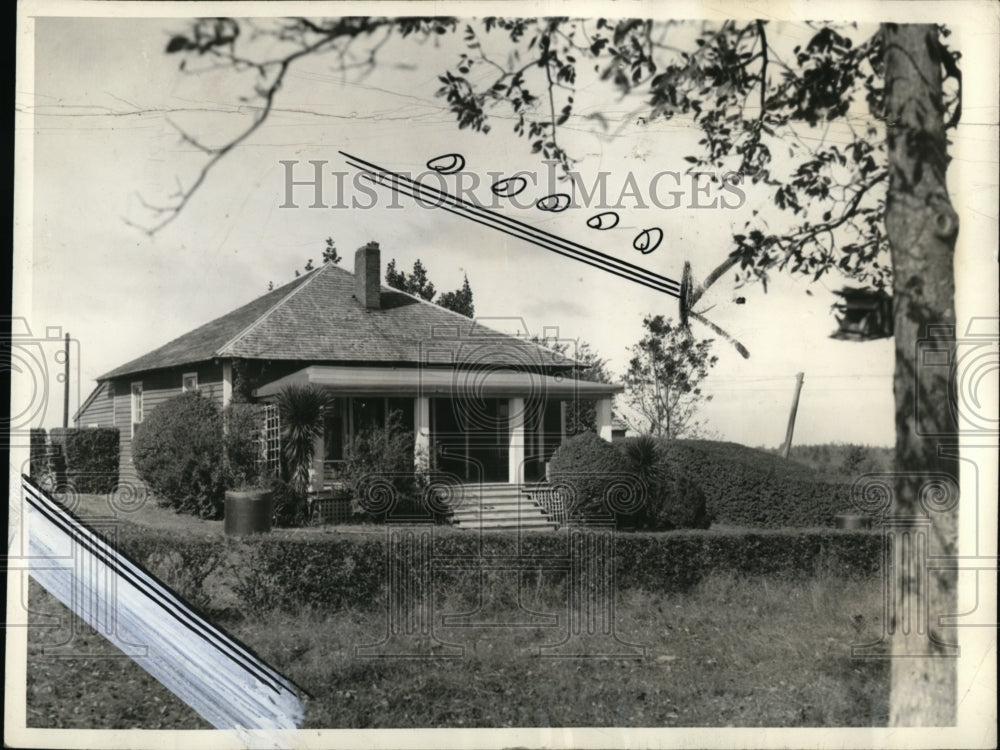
581,416
663,381
460,300
330,253
417,284
870,204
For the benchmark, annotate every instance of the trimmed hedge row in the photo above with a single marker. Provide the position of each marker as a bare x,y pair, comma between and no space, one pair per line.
296,572
38,461
84,457
752,488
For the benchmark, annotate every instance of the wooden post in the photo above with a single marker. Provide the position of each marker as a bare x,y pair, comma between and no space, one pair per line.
66,386
791,417
515,455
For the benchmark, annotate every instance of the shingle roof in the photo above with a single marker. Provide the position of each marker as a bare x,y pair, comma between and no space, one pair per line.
317,318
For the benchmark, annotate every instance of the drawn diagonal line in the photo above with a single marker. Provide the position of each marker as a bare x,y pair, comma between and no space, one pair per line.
534,234
81,534
521,234
539,237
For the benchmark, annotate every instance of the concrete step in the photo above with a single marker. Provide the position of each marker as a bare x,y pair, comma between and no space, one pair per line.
539,524
499,514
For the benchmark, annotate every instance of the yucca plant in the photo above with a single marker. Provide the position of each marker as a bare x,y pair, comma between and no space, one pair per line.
642,456
300,409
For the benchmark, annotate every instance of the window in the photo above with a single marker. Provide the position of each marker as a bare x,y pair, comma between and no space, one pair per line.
136,405
189,382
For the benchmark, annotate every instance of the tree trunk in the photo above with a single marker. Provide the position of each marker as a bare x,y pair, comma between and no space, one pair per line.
922,227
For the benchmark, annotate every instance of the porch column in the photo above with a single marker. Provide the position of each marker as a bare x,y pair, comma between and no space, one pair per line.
515,453
422,433
562,422
316,470
604,419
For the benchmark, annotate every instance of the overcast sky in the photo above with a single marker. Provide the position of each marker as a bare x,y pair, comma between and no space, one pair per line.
103,100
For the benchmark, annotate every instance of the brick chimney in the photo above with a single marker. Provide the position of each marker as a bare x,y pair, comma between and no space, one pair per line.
367,267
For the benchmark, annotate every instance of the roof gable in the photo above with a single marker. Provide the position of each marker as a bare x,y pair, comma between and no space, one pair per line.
316,318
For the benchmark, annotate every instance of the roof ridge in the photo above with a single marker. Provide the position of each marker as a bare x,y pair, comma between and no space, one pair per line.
264,316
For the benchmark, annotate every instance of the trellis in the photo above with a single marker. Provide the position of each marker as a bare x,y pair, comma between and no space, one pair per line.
270,440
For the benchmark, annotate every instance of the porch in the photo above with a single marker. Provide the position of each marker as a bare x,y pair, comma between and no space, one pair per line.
482,427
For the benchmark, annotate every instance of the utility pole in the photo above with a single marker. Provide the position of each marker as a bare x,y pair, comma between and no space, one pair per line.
66,385
791,417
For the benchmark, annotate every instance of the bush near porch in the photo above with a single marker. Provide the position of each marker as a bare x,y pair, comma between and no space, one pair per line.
177,451
664,497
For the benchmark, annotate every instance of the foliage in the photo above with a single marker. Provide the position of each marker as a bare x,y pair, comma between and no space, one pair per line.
297,573
460,300
300,409
330,253
581,415
673,499
380,460
290,507
756,489
589,466
415,283
663,381
92,456
38,453
177,451
241,445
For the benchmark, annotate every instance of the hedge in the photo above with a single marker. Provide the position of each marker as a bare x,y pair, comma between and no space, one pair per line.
38,461
92,456
756,489
177,451
296,572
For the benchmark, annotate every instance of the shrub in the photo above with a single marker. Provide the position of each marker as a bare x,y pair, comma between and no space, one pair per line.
752,488
590,466
672,501
241,442
289,503
380,460
57,456
92,456
301,408
177,452
336,571
38,456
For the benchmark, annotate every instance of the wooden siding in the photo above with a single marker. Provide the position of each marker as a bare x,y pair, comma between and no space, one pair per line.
99,409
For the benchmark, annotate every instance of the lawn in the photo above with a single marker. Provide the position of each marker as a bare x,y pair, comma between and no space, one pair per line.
732,651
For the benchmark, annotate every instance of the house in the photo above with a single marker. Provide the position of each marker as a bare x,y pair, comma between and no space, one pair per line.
487,406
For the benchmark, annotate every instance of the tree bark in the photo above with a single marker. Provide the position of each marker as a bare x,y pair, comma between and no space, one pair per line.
922,227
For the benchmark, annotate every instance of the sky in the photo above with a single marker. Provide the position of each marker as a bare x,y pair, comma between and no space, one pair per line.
106,102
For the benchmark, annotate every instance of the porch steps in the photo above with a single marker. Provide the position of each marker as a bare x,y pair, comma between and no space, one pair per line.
500,506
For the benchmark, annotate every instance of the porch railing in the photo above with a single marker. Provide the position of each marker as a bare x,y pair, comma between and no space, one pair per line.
552,500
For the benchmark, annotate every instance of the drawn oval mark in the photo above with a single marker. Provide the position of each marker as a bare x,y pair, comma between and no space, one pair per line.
447,163
510,187
606,220
648,240
556,202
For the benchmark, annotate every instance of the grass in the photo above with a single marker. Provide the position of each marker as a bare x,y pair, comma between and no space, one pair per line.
733,651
